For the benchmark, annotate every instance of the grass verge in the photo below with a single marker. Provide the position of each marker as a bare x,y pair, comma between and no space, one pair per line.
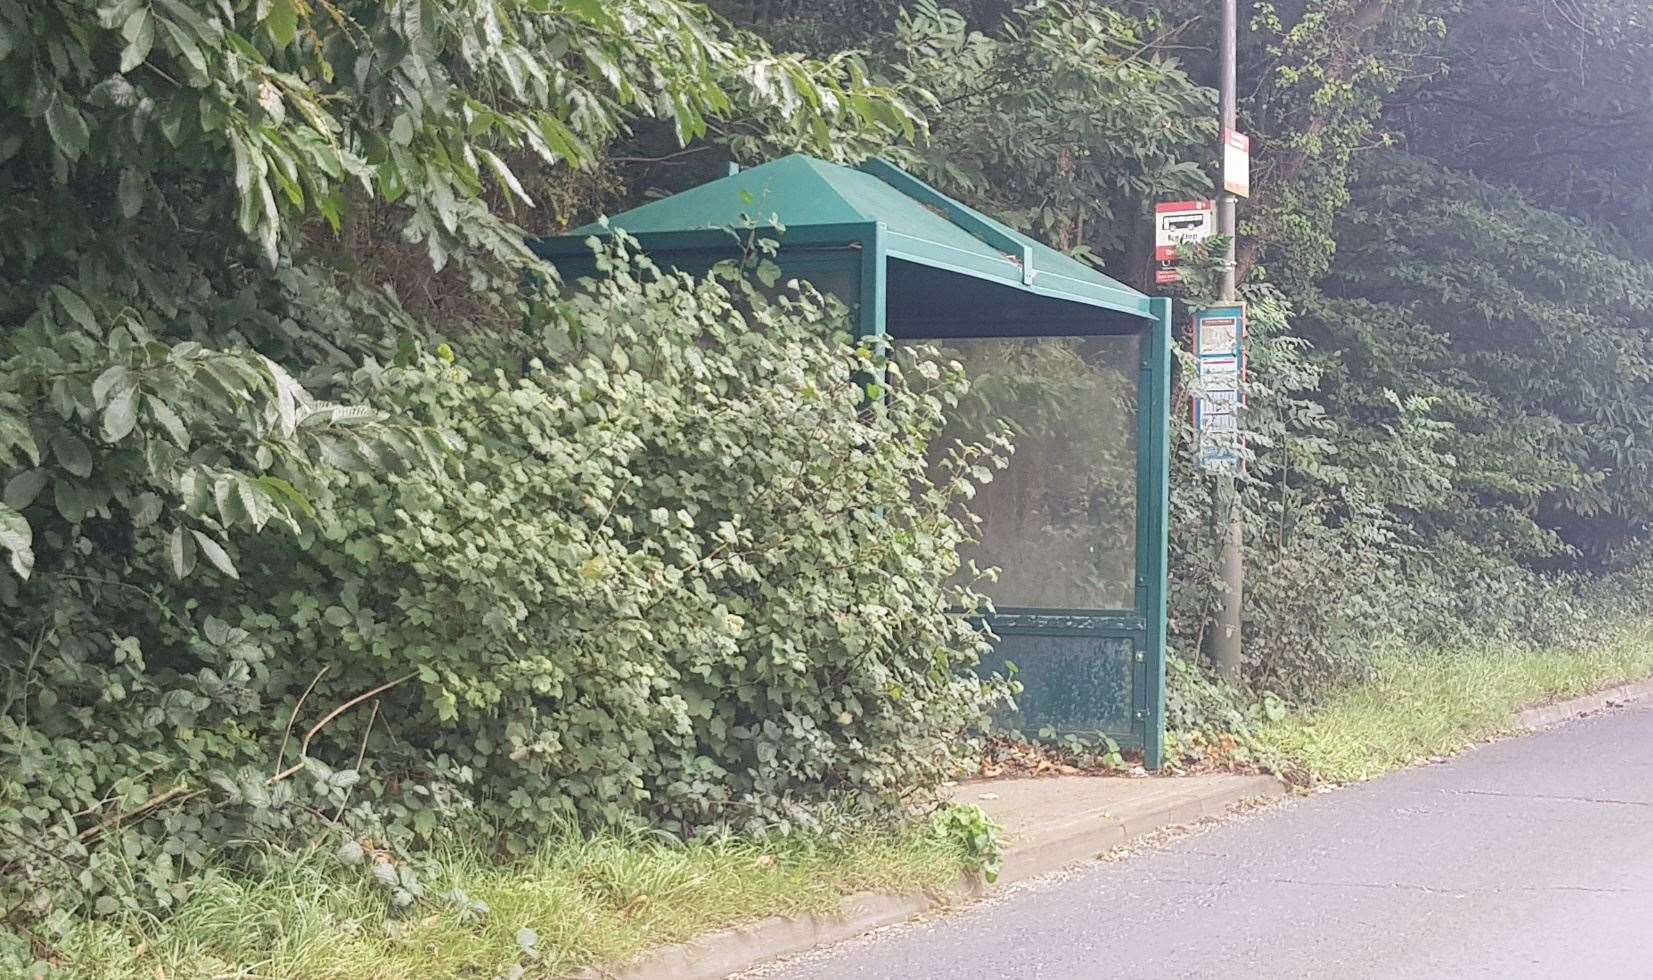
1417,705
579,901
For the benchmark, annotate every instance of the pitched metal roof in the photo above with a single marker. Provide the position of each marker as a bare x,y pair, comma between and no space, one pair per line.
916,223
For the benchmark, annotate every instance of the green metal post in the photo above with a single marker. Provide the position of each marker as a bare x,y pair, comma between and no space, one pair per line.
1154,494
871,321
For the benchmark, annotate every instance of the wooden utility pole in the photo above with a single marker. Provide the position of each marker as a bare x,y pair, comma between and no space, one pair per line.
1226,643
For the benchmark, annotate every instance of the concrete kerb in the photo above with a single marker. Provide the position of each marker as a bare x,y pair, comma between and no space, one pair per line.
734,950
1543,716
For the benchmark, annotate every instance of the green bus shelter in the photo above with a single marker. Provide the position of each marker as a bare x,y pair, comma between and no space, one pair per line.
1077,364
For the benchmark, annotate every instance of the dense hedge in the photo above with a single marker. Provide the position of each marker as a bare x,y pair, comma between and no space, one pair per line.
679,568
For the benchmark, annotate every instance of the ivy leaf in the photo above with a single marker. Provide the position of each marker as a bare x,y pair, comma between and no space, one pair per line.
17,538
216,554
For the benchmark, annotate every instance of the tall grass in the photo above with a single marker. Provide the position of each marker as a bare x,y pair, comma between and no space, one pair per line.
582,900
1417,704
578,901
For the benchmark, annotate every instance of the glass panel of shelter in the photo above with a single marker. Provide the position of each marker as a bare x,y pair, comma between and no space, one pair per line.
1060,521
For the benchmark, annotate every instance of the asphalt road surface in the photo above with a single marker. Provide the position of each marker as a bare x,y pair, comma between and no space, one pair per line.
1527,858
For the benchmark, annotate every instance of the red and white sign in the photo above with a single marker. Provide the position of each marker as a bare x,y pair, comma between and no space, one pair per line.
1179,223
1236,163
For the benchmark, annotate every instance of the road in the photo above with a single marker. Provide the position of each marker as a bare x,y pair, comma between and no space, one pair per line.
1526,858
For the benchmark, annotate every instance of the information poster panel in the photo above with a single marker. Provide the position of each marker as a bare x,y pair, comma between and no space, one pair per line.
1219,350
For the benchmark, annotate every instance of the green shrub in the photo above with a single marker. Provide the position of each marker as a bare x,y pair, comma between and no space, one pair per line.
680,568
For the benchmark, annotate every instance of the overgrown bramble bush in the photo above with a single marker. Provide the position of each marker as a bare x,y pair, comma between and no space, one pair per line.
686,566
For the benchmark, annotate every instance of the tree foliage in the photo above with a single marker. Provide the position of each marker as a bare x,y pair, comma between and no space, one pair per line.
1064,121
206,405
641,581
323,503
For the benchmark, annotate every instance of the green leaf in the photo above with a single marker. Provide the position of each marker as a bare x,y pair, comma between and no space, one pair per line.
232,504
131,192
288,395
216,554
67,127
351,853
505,176
76,308
14,434
121,414
22,489
282,22
72,454
169,421
205,29
277,487
107,381
17,538
186,46
140,36
182,552
74,500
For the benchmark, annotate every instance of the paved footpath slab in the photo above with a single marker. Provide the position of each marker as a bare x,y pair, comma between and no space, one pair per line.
1049,822
1531,857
